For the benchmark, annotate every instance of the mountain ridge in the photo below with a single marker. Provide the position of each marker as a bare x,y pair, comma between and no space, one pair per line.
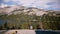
21,9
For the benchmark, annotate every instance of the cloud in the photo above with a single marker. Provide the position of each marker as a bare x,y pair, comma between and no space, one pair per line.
24,2
3,5
50,4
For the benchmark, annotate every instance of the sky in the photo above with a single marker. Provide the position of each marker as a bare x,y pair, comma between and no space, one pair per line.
42,4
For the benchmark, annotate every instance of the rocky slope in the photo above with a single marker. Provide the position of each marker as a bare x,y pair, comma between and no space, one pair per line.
21,9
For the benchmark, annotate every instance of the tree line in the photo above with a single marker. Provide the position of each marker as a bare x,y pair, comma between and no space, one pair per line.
22,21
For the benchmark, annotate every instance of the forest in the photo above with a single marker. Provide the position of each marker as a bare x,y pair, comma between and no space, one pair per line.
23,21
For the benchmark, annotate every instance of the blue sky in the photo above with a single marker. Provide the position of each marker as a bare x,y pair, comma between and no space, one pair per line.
43,4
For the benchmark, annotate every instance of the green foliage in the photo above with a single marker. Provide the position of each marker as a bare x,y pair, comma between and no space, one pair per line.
51,22
22,21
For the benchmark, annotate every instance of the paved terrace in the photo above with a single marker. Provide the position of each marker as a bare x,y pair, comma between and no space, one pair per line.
30,31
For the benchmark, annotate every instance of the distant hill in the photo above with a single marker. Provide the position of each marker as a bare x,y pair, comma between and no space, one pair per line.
21,9
16,17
